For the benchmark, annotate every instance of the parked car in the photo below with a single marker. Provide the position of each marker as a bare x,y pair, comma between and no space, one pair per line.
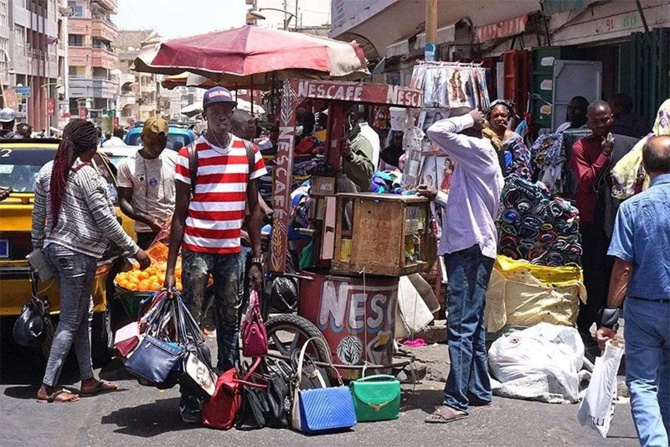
20,161
178,136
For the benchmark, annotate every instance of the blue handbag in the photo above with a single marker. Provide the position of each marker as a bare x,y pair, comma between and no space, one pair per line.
155,359
320,410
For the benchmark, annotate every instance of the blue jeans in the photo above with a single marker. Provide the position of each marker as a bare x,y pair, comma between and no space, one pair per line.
469,272
75,273
225,269
647,344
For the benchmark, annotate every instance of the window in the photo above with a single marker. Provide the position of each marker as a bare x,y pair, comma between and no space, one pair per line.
77,9
4,13
4,59
75,40
20,39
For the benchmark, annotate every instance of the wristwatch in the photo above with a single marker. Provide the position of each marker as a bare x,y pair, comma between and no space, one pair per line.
257,261
609,318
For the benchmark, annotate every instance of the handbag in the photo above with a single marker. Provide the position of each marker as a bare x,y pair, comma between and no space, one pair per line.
279,393
312,376
254,335
155,359
254,408
38,261
200,373
376,398
33,322
222,409
324,409
127,339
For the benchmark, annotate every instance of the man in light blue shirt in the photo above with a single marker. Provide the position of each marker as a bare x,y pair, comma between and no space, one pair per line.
641,247
469,246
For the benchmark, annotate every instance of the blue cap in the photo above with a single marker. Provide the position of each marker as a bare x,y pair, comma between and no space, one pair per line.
218,94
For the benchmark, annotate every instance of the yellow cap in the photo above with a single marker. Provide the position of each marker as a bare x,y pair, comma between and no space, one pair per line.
155,125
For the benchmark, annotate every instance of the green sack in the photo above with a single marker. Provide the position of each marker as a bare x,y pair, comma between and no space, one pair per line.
376,398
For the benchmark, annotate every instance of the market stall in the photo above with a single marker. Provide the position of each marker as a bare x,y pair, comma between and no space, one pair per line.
361,243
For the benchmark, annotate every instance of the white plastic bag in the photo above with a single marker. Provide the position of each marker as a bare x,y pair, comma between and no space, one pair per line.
538,363
597,408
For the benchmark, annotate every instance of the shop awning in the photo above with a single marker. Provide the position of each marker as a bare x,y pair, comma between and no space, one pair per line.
506,28
446,34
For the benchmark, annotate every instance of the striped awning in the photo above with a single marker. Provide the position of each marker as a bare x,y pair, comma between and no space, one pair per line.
503,29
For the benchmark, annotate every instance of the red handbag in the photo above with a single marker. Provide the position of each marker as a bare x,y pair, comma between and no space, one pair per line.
254,335
127,339
221,410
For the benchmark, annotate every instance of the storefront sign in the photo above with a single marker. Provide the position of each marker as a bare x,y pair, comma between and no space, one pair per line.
51,106
23,91
10,99
499,30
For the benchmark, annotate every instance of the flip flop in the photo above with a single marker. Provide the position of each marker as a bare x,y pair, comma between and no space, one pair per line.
53,397
445,414
102,386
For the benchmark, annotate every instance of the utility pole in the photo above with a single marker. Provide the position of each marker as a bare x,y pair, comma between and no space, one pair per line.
431,31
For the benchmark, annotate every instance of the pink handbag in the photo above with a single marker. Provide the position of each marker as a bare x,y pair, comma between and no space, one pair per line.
252,329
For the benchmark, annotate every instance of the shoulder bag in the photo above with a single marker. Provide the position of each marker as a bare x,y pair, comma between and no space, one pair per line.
252,329
324,409
376,398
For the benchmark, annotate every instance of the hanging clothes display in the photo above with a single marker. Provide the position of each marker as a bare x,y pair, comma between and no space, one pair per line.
449,85
534,226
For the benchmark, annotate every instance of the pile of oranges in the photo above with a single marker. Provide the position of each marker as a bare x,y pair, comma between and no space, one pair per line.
149,280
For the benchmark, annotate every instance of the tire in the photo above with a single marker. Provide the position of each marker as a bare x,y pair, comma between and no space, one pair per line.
101,339
303,329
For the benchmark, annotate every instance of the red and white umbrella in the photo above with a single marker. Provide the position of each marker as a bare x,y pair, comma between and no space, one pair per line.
250,56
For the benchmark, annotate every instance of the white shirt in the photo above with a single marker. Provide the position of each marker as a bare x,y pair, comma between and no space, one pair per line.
369,134
152,182
475,188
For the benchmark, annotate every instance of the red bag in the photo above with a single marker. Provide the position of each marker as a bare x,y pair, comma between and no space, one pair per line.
221,410
254,335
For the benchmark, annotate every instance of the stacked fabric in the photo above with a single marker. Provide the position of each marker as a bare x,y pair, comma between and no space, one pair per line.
534,226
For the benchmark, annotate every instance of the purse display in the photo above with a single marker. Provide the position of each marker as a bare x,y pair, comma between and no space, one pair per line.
252,329
321,410
376,398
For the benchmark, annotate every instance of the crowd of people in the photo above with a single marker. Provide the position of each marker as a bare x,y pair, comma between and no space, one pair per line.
210,188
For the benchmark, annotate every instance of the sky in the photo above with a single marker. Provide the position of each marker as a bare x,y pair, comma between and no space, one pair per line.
178,18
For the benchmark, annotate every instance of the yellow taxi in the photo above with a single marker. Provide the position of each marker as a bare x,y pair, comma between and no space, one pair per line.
20,161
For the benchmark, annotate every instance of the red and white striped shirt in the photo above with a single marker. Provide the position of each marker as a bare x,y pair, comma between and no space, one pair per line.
217,209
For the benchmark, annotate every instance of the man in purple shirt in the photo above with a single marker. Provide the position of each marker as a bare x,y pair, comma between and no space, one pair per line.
469,246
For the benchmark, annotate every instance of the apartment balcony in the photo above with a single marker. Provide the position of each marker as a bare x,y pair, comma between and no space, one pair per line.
81,87
127,99
89,56
111,5
79,25
104,30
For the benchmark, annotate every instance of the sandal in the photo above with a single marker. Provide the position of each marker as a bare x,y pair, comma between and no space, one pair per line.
101,386
445,414
53,397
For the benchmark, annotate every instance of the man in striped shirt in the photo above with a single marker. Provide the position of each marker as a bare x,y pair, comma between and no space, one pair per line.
207,225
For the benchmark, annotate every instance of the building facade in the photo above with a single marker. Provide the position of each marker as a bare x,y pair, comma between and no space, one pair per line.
138,92
91,89
31,58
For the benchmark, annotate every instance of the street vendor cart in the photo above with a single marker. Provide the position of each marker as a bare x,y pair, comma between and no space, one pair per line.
362,242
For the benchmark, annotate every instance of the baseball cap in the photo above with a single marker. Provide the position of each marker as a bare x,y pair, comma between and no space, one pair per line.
7,115
155,125
218,94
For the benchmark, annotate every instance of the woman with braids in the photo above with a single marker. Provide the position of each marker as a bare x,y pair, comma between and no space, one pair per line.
73,219
513,155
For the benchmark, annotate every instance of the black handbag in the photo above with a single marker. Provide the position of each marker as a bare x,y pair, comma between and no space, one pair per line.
312,376
279,393
254,406
34,322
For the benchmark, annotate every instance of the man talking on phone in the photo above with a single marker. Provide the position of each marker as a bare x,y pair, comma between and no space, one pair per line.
469,246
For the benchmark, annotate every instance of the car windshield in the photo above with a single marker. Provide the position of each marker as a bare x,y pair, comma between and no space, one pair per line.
174,141
19,166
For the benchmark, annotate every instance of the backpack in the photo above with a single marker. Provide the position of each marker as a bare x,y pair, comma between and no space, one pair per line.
193,161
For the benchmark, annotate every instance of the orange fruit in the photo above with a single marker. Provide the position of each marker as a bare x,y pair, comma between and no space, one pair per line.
132,287
144,285
143,275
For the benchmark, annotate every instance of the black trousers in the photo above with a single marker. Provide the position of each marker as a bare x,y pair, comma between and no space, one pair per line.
597,268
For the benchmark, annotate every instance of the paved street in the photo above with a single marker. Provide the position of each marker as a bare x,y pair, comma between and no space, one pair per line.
137,416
